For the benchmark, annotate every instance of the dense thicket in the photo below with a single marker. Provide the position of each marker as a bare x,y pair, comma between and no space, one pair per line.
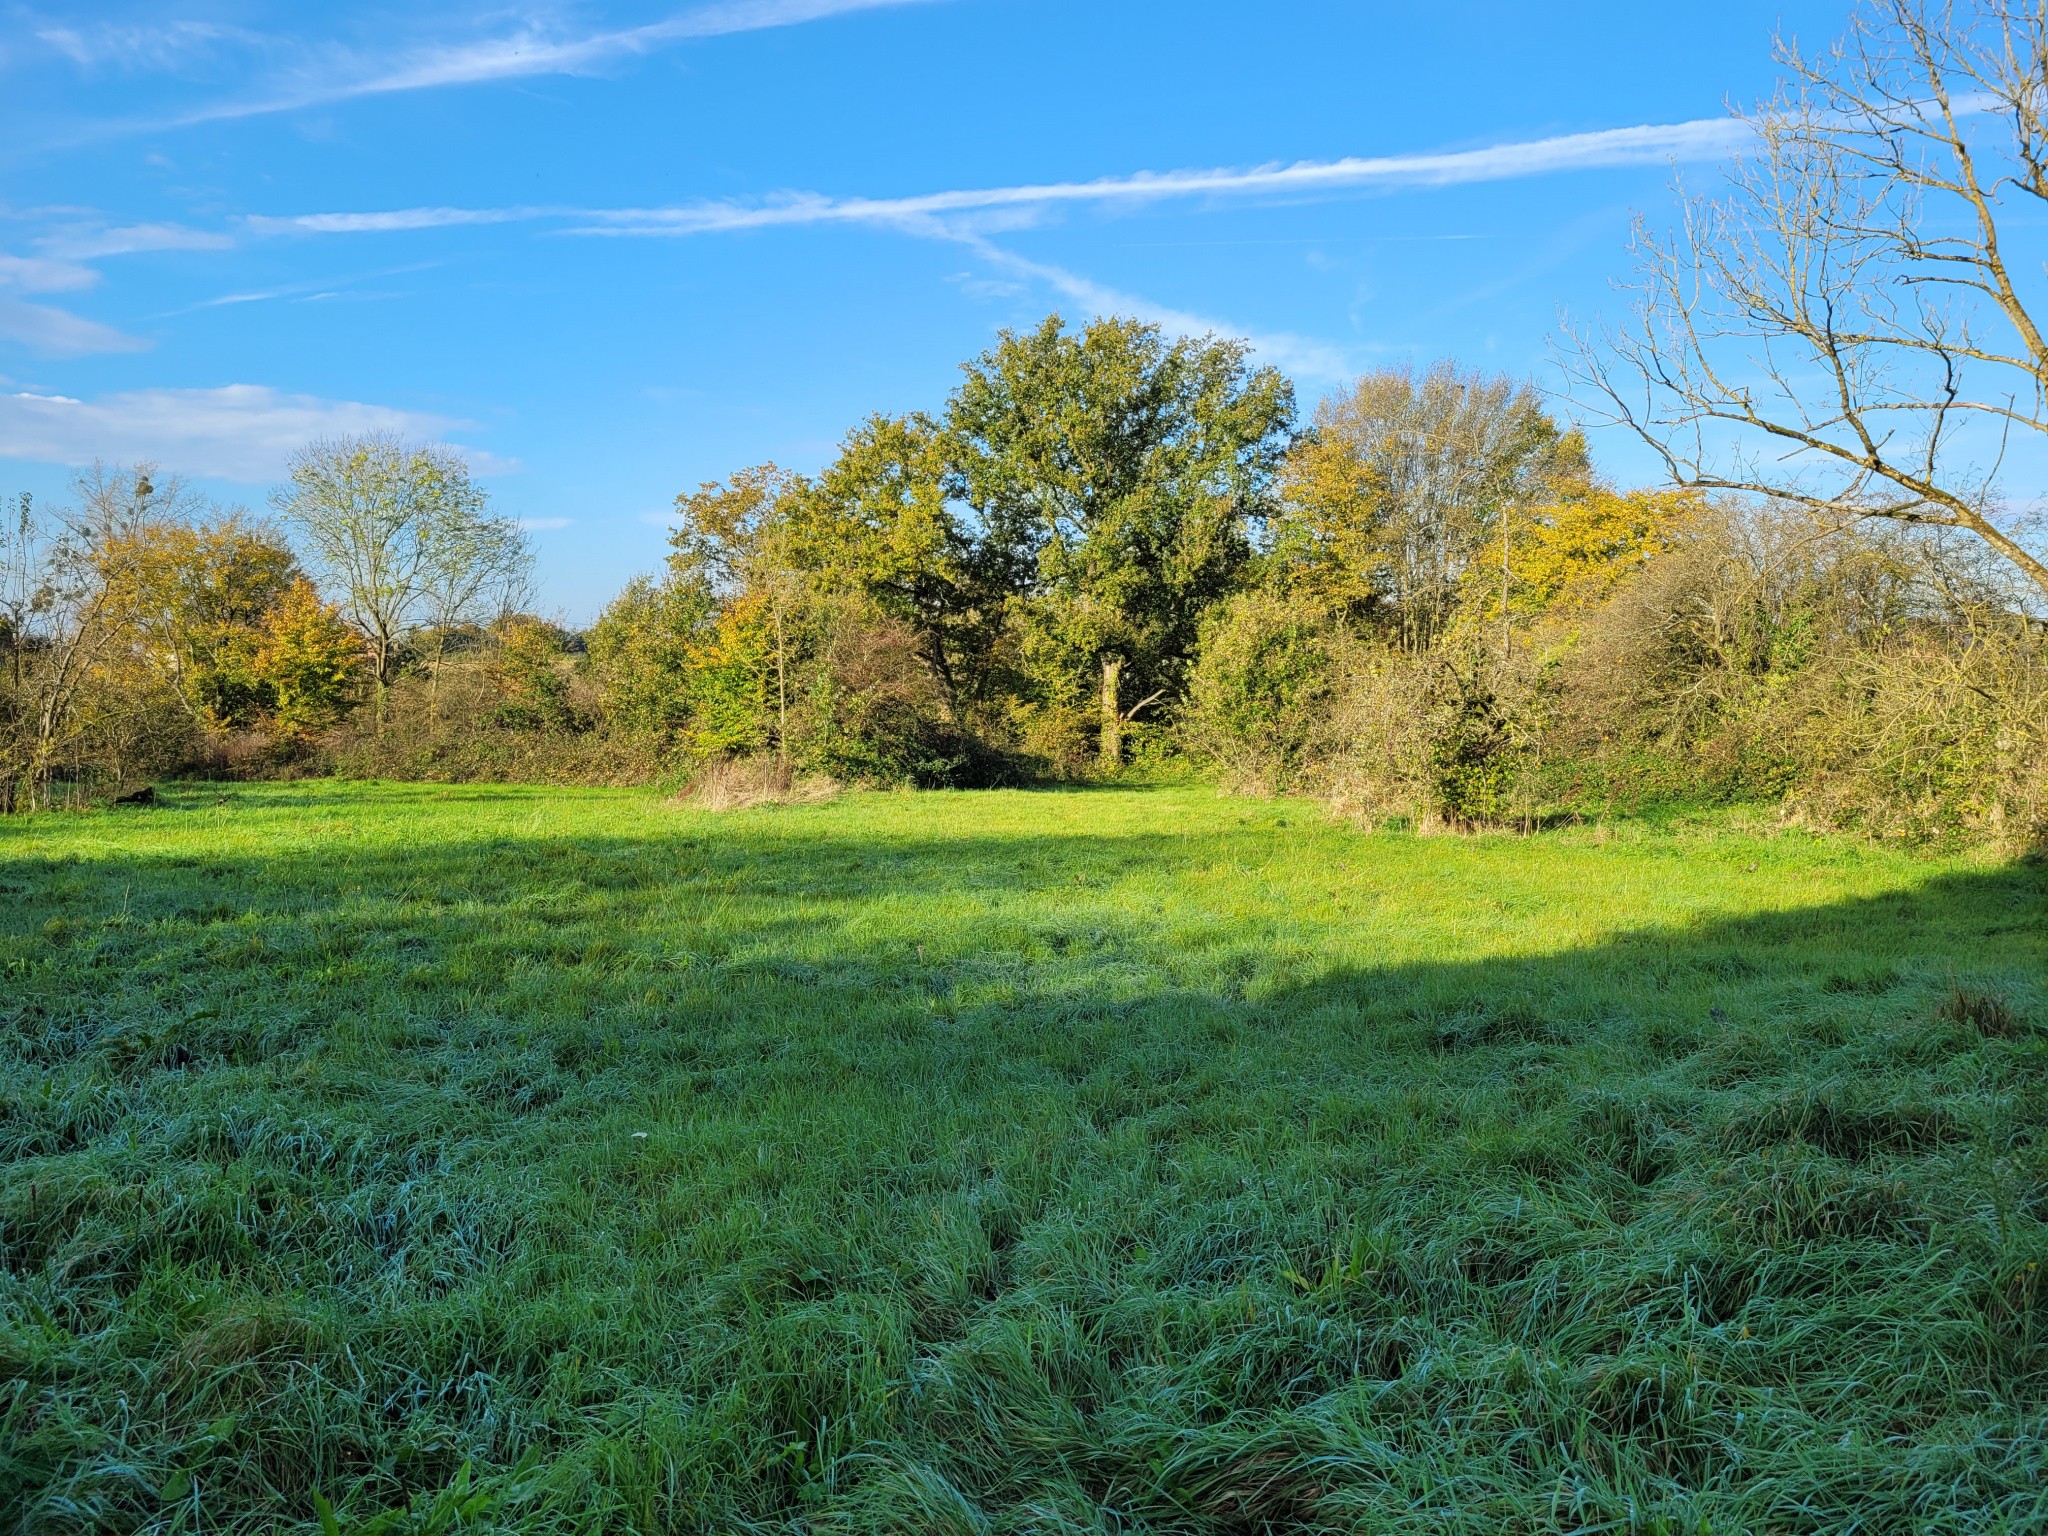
1629,651
1111,551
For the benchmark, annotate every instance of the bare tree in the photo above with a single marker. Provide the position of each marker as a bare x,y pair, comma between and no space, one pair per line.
403,537
112,502
1850,326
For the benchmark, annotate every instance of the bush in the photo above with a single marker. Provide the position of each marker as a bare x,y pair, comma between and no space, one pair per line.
470,725
1859,681
536,680
1373,762
639,653
1282,699
1260,696
872,711
1862,682
1477,753
1926,742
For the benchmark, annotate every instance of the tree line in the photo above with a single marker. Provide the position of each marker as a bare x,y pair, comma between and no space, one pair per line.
150,631
1113,550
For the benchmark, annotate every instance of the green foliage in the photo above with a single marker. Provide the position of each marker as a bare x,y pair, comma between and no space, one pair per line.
1048,549
872,711
1476,754
403,537
879,525
1259,696
1129,469
640,651
1137,1160
737,679
532,663
1109,555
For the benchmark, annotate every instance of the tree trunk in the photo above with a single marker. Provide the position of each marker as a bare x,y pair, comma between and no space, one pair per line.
41,765
1112,714
383,679
1506,634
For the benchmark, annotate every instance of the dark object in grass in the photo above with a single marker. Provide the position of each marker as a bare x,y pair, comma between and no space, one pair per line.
143,796
1989,1013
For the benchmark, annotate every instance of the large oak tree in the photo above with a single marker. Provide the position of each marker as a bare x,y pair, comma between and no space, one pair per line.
1125,471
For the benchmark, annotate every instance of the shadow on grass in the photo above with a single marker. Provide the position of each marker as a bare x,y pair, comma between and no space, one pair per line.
178,799
773,1177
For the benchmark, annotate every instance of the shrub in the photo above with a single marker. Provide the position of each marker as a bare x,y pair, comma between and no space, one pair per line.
1927,742
639,652
1282,699
1477,755
1260,694
872,711
1376,764
1865,683
534,677
464,726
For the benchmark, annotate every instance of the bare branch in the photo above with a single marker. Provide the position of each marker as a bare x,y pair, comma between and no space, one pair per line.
1843,327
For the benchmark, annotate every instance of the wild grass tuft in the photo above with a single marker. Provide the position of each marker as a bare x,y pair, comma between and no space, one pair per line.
1989,1013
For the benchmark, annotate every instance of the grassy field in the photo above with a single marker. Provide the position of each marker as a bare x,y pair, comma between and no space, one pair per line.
1113,1161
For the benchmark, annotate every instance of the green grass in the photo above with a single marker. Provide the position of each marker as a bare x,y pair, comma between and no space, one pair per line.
1136,1161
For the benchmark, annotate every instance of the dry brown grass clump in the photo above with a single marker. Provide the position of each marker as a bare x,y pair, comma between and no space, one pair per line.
735,784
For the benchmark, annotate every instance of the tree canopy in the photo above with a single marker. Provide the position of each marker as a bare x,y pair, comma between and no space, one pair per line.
1124,474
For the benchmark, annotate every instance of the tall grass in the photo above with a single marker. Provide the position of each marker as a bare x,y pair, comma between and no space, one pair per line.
566,1160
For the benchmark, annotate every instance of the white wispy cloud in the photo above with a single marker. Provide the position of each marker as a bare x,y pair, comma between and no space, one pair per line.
531,51
39,274
240,432
1302,356
89,242
965,216
59,333
44,328
252,296
399,220
544,524
135,48
1645,144
330,285
55,332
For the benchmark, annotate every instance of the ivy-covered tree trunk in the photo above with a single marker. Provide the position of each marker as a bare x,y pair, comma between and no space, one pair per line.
1112,714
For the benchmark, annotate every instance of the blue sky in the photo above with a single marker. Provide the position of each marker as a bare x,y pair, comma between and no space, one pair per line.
614,249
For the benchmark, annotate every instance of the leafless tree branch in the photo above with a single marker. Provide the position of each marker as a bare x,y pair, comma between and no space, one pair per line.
1846,326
